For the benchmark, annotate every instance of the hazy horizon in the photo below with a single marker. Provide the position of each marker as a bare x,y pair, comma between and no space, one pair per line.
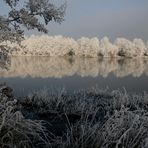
100,18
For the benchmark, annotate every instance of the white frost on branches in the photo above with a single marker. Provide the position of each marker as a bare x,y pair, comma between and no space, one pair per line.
56,46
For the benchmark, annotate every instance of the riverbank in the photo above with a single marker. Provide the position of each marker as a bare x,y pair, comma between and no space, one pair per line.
86,118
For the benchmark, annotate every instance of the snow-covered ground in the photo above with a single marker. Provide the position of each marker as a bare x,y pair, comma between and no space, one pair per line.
87,47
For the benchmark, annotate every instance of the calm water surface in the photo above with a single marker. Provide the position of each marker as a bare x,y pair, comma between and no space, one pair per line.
29,74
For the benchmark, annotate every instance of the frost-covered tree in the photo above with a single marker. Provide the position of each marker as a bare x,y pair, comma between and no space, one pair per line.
30,14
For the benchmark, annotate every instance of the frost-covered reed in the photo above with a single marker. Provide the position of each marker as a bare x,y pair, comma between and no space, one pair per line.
94,118
90,101
124,129
104,119
17,131
88,47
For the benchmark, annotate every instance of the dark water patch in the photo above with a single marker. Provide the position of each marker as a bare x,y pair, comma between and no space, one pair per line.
24,86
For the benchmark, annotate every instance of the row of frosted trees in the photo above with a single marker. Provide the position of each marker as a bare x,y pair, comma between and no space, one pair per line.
61,46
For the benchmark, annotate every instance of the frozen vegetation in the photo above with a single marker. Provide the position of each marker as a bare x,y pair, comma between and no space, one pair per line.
90,118
15,130
87,47
59,67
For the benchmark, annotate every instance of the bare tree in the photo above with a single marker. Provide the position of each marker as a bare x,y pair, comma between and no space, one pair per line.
34,14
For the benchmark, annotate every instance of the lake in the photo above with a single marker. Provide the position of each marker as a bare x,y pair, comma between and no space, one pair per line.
29,74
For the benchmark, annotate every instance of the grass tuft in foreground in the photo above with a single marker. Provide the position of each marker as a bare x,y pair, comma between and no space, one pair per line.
18,132
90,118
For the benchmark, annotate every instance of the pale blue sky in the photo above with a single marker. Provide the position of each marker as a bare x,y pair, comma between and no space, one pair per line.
112,18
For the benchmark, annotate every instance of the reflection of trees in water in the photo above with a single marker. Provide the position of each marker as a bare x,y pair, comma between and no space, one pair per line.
67,66
135,67
5,62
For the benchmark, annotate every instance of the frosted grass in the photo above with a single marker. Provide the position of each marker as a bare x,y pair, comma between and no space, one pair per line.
105,119
17,131
124,122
